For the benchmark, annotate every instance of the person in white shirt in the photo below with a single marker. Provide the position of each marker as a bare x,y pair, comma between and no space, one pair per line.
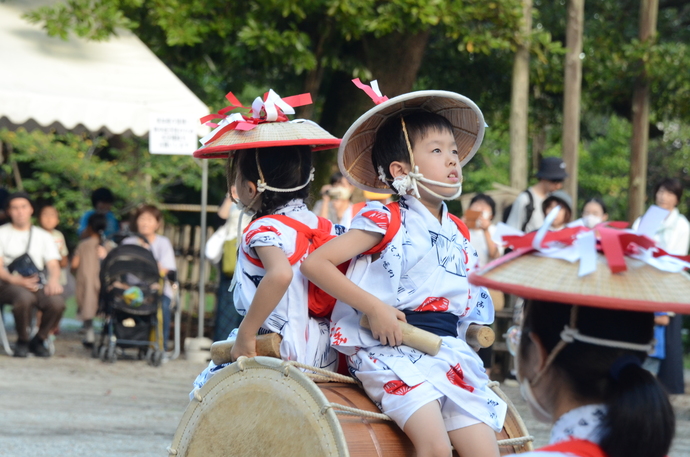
336,201
673,236
481,228
526,213
36,290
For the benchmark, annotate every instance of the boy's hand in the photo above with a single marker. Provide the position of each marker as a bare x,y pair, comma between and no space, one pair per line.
384,324
244,346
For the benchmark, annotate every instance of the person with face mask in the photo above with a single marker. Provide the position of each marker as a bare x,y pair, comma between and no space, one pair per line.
594,212
586,330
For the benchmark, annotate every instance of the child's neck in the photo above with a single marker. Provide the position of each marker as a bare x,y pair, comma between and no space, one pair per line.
435,207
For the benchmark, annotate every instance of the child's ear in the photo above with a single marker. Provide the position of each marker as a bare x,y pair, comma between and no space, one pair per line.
251,187
398,169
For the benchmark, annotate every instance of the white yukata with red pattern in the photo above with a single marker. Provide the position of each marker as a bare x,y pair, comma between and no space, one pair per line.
305,338
423,268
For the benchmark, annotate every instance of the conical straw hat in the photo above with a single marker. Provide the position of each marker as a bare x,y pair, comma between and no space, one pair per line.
640,287
354,155
269,134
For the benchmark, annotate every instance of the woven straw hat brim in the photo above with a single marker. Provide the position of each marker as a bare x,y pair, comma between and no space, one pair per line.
354,155
640,288
266,135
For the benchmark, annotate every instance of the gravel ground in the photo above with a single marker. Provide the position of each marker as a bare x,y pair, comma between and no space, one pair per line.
73,405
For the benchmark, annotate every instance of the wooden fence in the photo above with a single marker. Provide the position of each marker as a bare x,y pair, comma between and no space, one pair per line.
186,241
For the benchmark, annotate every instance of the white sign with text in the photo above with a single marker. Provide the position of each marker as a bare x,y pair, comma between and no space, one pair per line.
172,135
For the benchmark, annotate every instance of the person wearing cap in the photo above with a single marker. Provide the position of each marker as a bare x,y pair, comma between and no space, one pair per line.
563,201
17,238
588,326
526,213
410,262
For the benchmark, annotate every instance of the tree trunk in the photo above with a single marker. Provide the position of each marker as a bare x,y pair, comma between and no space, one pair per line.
571,96
394,61
519,104
649,10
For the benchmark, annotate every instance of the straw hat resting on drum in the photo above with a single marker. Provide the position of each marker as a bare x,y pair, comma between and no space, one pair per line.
587,328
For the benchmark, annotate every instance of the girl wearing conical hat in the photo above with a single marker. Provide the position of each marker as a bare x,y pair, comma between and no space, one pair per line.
411,261
270,164
588,326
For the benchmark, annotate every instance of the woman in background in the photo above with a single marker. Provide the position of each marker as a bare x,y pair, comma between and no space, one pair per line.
146,222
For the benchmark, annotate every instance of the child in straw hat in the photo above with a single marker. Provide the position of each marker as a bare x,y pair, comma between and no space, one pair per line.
587,328
270,164
413,145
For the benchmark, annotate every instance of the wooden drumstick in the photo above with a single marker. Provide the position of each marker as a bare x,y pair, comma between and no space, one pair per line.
267,345
477,336
480,336
413,337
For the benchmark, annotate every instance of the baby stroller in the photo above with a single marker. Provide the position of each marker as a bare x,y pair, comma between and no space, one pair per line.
130,299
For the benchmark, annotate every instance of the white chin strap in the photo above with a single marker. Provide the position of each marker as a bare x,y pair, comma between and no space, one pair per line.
261,187
413,180
571,334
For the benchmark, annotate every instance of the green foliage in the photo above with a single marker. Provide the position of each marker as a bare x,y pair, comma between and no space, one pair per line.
491,164
65,169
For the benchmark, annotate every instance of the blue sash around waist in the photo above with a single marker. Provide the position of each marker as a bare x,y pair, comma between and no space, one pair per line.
441,324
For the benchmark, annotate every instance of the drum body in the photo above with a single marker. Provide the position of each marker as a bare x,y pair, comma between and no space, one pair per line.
263,406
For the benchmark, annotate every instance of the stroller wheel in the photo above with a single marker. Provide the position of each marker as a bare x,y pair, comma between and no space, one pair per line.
95,351
111,356
102,353
155,359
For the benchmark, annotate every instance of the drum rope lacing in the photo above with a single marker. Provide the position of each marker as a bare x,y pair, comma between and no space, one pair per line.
319,374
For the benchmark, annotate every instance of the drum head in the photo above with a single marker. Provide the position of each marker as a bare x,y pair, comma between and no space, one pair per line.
259,406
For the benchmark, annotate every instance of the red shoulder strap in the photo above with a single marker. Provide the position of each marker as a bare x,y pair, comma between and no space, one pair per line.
579,448
324,224
461,226
392,230
301,243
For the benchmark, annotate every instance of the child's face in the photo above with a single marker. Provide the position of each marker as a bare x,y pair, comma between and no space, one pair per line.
436,154
147,224
245,192
560,218
103,207
49,218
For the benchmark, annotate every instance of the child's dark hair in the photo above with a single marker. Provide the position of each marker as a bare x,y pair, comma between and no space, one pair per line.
102,194
43,208
390,146
599,202
335,178
639,420
283,167
97,223
486,199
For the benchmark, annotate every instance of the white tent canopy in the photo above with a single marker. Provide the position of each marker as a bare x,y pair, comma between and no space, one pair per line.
111,87
104,88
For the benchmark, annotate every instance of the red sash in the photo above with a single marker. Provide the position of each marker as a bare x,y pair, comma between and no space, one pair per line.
580,448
